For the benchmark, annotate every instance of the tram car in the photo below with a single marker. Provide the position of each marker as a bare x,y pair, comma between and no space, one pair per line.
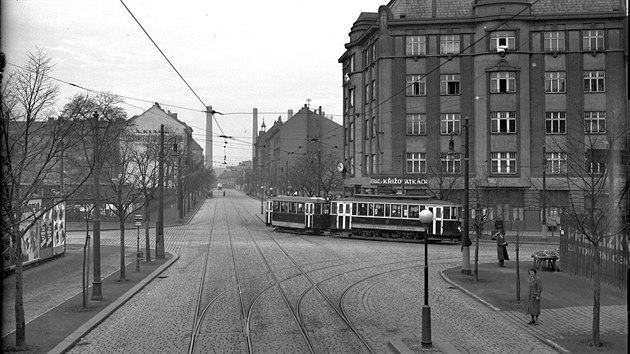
301,214
371,216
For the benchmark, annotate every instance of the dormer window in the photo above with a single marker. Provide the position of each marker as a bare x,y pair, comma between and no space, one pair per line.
502,41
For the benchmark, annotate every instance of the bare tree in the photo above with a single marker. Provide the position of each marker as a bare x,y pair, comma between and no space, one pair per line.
123,190
314,174
33,146
595,180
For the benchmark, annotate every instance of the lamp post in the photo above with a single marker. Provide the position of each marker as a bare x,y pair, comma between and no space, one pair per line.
426,218
159,227
466,237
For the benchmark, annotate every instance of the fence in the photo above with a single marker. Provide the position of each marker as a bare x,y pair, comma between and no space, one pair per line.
576,257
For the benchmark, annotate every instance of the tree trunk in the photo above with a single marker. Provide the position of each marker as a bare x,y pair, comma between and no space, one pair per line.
596,293
147,243
20,323
478,232
121,218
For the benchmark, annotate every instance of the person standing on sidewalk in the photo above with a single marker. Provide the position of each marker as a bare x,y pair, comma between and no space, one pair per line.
533,299
502,253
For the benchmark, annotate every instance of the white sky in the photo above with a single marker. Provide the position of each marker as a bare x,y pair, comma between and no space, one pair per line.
236,55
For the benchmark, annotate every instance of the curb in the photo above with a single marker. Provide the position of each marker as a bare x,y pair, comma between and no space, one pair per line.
70,341
546,341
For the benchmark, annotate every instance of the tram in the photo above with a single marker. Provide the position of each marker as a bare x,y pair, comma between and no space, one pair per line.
367,216
304,214
371,216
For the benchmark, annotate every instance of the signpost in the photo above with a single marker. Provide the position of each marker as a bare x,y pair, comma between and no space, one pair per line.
138,219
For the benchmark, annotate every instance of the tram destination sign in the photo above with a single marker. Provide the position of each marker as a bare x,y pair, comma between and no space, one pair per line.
393,181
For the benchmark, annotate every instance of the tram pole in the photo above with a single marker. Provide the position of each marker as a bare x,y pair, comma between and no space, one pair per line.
466,236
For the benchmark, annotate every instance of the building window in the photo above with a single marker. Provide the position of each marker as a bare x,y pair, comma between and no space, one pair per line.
502,40
503,122
594,81
449,84
367,94
554,42
555,82
416,85
416,162
373,90
374,164
374,127
556,162
367,160
366,128
503,81
351,131
450,123
351,66
451,163
449,44
503,162
594,122
595,167
555,122
416,124
593,40
350,98
416,45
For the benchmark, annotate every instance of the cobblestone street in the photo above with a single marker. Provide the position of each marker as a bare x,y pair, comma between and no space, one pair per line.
378,285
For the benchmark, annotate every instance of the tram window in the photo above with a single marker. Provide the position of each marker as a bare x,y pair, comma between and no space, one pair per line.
447,213
414,211
454,214
276,206
292,207
378,210
405,213
333,208
438,213
284,207
318,209
300,208
387,210
325,209
363,210
395,210
354,209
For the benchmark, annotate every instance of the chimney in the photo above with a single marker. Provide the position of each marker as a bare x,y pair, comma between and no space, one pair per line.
320,110
289,114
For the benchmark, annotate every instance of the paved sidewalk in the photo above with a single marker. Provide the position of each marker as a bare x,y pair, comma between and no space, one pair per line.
566,306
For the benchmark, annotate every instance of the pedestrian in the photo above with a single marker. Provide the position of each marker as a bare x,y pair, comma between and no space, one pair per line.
533,299
502,253
498,224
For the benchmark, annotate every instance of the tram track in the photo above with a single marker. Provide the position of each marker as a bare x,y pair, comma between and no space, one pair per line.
257,290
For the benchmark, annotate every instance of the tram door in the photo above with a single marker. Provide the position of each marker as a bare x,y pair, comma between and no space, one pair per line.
438,220
344,213
268,211
309,208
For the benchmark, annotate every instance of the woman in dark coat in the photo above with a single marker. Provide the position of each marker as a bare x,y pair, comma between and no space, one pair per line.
502,254
533,299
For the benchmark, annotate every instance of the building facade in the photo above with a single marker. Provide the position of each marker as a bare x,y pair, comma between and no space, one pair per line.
285,146
531,83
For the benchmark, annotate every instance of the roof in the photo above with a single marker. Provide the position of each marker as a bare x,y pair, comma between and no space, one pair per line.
417,9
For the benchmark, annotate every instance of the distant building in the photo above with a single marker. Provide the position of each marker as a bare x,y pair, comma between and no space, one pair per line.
279,148
534,79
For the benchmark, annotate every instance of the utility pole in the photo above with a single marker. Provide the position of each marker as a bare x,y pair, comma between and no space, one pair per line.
543,197
159,227
97,293
466,237
180,191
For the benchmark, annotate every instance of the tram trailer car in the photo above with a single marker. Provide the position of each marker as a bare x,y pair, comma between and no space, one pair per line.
369,216
301,214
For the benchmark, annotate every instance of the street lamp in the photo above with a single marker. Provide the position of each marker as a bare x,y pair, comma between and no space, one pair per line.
426,218
262,197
